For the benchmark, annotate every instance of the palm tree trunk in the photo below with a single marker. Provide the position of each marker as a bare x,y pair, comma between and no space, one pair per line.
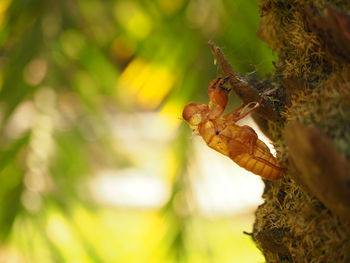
306,214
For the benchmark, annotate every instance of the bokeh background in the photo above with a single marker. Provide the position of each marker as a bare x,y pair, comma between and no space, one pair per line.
96,164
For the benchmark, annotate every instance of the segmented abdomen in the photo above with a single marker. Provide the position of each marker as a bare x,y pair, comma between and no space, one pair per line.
261,162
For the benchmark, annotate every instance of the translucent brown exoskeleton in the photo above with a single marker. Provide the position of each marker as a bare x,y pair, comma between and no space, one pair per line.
221,133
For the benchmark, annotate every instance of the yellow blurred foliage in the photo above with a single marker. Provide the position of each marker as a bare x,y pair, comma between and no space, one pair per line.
146,83
3,6
135,21
170,6
60,232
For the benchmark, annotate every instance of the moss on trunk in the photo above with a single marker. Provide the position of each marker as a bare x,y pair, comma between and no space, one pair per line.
297,222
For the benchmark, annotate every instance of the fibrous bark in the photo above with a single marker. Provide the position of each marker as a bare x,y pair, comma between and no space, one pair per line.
306,214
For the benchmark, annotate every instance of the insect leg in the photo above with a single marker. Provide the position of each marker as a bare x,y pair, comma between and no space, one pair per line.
239,113
218,96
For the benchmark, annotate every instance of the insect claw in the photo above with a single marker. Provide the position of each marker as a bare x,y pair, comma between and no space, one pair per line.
242,111
222,82
242,114
227,78
257,104
195,133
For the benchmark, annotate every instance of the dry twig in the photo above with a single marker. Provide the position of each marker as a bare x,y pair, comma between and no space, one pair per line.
244,91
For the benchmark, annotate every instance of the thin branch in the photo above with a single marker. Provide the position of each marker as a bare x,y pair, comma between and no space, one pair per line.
243,89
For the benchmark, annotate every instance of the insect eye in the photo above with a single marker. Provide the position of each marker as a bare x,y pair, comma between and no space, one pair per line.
196,119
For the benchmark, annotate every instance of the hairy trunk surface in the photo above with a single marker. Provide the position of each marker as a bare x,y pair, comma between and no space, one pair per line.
306,214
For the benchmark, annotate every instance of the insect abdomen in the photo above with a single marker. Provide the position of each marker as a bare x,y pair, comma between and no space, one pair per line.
261,162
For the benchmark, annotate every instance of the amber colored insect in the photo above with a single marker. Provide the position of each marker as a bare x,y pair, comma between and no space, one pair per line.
220,132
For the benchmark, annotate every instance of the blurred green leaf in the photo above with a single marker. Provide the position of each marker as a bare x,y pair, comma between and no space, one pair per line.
126,62
11,180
